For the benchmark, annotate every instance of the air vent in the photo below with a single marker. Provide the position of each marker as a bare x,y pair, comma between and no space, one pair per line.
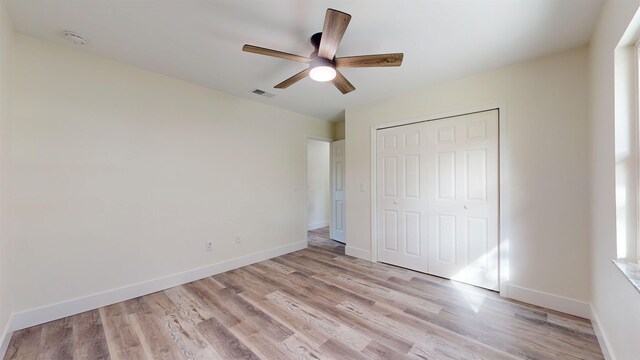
262,93
75,38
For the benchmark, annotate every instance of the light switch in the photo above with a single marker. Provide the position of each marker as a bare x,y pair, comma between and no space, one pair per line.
363,187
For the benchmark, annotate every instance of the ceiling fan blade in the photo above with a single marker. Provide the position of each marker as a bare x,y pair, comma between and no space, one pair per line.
292,80
379,60
342,83
274,53
335,24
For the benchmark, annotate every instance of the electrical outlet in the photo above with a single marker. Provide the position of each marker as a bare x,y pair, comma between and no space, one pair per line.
209,245
238,241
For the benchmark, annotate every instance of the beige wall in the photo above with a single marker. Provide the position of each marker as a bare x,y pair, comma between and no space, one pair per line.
338,130
546,196
615,302
122,175
6,72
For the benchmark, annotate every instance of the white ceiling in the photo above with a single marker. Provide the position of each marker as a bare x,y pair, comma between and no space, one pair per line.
201,41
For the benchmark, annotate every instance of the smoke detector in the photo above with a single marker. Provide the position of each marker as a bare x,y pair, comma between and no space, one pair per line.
75,38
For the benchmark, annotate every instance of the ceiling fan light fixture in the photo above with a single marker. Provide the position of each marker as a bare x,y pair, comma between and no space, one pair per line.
322,73
322,70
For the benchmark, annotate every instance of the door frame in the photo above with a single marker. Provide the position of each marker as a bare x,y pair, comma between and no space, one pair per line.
306,179
503,181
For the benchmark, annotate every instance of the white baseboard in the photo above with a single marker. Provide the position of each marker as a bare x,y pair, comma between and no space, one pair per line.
318,225
550,301
359,253
5,338
602,337
78,305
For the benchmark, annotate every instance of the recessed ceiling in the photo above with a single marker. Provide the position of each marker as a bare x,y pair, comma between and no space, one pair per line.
201,41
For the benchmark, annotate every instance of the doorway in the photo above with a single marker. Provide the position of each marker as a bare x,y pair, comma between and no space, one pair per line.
438,197
318,184
325,207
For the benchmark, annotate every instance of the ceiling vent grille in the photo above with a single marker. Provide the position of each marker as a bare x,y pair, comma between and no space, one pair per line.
75,38
262,93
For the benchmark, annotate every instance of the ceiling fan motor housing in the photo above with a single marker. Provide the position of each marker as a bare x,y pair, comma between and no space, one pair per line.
320,61
315,40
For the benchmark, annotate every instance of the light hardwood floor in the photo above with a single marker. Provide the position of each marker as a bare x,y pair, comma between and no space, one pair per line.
313,304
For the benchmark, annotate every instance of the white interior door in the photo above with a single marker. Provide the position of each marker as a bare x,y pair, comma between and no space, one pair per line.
402,196
463,198
437,197
337,229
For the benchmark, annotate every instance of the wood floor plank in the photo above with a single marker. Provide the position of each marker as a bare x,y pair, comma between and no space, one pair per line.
156,303
494,308
381,271
238,282
286,270
307,332
317,338
58,337
212,283
573,323
339,350
373,331
541,330
122,338
302,350
334,329
26,344
314,304
229,302
187,339
375,350
225,343
89,340
155,338
505,337
190,306
299,268
381,293
314,285
259,341
214,308
422,333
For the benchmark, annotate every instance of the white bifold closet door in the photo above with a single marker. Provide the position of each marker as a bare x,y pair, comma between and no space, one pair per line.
438,197
402,196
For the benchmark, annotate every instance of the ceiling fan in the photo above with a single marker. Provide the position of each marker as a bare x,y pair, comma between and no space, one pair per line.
323,65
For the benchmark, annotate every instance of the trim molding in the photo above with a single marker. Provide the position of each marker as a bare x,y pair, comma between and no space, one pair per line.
318,225
603,341
6,337
40,315
359,253
550,301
